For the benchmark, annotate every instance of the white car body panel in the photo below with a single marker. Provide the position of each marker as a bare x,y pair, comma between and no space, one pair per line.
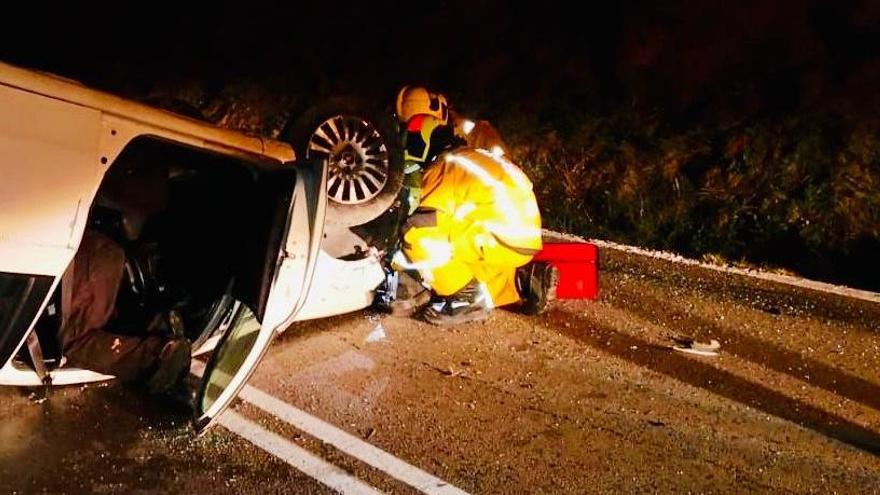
341,286
50,173
16,375
57,140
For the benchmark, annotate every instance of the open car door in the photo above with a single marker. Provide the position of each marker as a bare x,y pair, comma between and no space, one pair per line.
244,344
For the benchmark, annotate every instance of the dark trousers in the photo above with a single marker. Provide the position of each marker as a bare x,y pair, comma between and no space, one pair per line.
86,340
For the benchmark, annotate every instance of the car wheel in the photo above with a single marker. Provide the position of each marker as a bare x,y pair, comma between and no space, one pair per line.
363,153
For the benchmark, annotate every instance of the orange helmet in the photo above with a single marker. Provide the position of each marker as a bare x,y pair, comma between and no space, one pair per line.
413,101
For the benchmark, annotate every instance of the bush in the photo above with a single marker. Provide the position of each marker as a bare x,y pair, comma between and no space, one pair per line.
799,191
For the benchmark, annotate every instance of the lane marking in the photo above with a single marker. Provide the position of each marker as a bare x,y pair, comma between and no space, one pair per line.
800,282
338,438
350,444
296,456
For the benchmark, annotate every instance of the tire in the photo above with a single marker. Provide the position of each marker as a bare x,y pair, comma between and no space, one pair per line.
365,153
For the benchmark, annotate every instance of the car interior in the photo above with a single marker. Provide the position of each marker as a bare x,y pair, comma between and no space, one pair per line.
200,231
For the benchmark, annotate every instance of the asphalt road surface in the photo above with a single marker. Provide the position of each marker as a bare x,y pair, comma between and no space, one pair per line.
589,398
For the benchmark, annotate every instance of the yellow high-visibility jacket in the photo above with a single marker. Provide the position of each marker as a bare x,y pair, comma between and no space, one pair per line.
478,218
479,134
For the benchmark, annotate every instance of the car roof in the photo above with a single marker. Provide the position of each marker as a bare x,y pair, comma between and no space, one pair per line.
166,123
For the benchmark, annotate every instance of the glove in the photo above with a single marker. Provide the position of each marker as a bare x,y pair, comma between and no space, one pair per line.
414,198
412,183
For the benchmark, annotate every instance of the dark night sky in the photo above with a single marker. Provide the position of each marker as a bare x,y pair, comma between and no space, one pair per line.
650,75
669,53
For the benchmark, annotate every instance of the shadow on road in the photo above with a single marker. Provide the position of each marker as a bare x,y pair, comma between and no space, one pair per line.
758,351
712,379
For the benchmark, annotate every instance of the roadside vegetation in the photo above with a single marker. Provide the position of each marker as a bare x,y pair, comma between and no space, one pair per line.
798,191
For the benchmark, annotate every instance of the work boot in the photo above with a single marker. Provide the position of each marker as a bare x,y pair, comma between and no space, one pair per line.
411,296
471,303
171,367
402,295
536,283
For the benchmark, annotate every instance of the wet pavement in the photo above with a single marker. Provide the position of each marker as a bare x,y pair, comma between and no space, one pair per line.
587,399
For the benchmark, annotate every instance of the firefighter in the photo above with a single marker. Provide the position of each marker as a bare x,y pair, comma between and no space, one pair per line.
415,100
473,228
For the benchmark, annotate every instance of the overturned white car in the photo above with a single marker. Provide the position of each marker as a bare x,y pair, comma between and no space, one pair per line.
243,232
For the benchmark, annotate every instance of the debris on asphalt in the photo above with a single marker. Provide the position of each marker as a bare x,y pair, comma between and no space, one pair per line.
688,345
377,335
448,371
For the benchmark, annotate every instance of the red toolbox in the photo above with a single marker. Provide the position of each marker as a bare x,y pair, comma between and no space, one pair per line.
578,264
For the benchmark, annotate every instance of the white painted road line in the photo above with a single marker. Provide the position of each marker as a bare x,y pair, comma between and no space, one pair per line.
296,456
350,444
803,283
342,440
